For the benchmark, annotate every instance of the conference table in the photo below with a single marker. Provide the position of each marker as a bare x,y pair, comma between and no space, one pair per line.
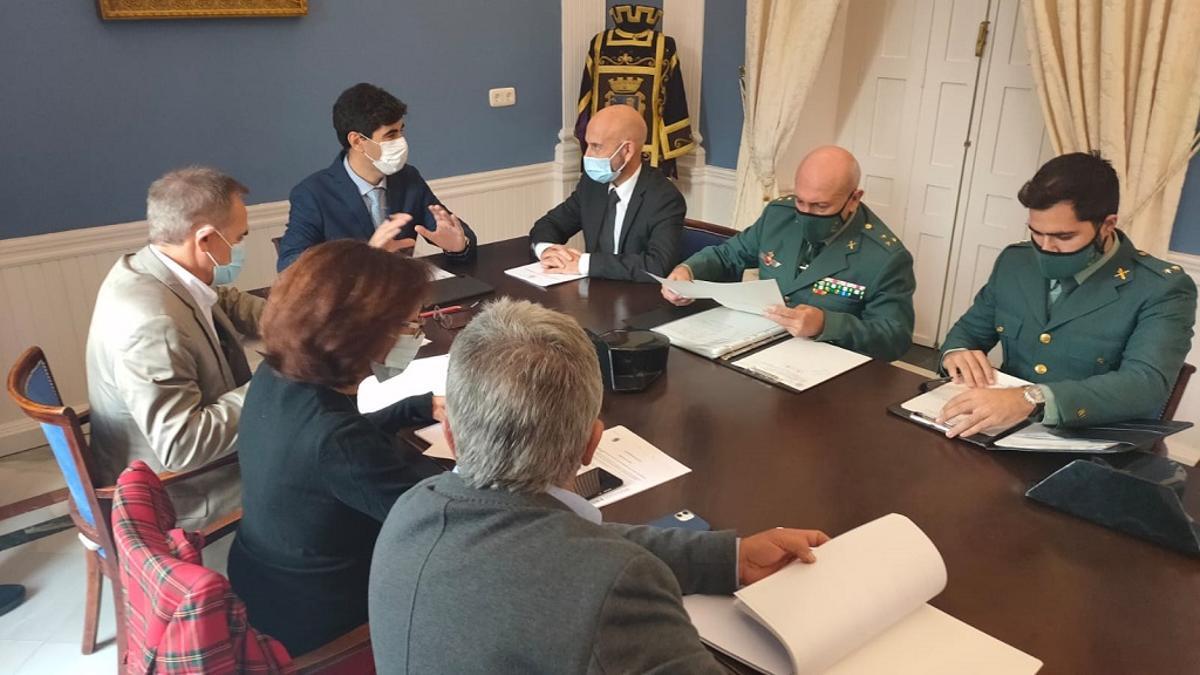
1082,598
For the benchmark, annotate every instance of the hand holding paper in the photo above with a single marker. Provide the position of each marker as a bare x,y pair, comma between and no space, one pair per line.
752,297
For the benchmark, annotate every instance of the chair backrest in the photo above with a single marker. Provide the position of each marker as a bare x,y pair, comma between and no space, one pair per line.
1181,382
31,386
698,235
275,242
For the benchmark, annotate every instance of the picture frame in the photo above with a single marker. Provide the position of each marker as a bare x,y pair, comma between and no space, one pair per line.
127,10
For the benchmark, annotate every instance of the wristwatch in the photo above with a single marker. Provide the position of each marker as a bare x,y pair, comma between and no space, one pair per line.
1036,397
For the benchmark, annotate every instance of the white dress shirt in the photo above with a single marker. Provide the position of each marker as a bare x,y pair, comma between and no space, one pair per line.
202,293
582,507
624,193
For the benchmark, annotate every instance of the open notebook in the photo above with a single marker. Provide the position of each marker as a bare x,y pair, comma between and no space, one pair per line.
720,331
859,610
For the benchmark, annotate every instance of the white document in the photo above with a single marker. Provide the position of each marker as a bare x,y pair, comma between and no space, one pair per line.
801,363
859,610
638,464
1038,437
534,274
719,331
439,273
929,405
420,377
439,447
752,297
624,454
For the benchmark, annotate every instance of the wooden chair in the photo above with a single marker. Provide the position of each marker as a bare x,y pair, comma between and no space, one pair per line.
698,235
275,242
1181,382
32,387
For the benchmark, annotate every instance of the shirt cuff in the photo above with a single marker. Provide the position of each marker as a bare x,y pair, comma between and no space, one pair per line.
539,249
585,261
942,361
1050,414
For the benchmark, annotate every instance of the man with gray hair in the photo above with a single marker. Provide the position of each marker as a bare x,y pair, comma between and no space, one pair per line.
166,370
499,567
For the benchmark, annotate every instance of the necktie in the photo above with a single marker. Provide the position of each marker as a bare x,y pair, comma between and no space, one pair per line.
1061,288
375,205
808,253
608,228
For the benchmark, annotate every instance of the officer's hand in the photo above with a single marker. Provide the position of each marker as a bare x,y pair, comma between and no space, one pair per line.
559,259
448,235
767,552
800,321
385,235
970,367
680,273
977,409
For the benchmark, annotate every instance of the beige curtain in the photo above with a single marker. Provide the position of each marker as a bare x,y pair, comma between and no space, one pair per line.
785,43
1123,77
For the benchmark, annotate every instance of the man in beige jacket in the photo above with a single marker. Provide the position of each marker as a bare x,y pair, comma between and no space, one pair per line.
166,370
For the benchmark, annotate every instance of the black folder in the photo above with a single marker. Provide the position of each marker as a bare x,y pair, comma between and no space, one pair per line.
445,292
1138,494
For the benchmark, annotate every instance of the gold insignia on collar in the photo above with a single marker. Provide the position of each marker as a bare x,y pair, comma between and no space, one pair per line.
852,245
1122,273
1168,270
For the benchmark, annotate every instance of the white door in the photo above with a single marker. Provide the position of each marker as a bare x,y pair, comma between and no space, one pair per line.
1009,146
908,123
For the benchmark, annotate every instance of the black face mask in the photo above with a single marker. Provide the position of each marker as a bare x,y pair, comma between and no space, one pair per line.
1064,265
819,228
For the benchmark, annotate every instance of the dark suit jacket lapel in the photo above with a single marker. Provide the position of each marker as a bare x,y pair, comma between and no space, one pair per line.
635,203
1099,290
351,198
158,270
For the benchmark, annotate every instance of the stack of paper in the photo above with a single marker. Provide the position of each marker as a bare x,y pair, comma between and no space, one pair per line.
534,274
719,331
800,363
860,609
1038,437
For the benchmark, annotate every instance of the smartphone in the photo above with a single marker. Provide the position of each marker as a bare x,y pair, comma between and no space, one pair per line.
684,519
595,482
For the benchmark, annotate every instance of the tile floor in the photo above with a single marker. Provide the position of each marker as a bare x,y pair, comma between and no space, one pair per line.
41,637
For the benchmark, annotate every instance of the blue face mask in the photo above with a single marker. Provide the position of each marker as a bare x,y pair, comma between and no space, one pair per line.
600,169
223,275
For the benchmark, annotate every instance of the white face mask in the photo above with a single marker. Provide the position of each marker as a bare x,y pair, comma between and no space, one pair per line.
393,155
402,354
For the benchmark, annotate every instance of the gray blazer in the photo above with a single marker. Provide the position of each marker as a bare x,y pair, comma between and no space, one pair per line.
487,581
163,387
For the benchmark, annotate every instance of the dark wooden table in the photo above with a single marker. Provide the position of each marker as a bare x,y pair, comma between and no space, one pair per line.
1081,598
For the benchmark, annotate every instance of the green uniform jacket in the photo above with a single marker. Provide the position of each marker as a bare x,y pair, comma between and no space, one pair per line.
1110,351
863,279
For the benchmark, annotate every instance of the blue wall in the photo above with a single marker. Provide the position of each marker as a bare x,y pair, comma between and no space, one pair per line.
1185,238
720,103
92,112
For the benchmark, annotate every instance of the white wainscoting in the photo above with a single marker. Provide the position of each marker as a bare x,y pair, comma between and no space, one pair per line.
48,283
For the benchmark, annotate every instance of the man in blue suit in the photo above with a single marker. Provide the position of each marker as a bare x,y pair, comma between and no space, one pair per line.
370,192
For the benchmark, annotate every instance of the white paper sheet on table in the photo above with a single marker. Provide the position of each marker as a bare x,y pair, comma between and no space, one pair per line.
638,464
860,609
421,377
801,363
752,297
930,404
439,273
1038,437
534,274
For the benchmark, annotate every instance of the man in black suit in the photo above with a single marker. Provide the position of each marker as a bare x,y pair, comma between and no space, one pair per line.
630,214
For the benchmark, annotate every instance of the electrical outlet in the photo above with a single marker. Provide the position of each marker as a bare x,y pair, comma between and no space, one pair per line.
502,97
